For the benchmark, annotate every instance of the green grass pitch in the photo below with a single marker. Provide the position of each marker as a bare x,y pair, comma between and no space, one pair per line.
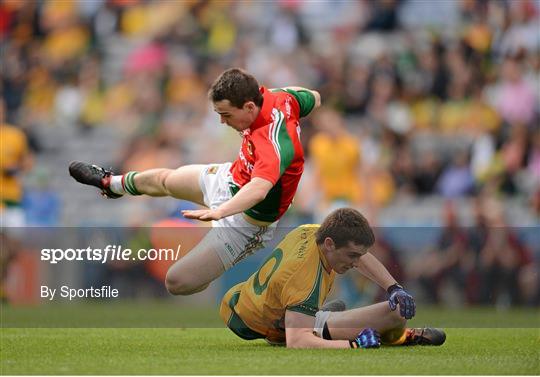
215,350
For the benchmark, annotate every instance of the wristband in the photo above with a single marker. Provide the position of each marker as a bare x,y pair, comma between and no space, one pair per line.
393,287
353,344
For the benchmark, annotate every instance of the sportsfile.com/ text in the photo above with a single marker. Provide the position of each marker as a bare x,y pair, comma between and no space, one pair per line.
109,253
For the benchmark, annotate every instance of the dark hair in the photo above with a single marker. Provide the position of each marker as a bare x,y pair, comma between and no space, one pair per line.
237,86
344,225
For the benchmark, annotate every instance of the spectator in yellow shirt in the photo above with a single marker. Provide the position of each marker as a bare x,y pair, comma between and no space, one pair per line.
336,158
15,158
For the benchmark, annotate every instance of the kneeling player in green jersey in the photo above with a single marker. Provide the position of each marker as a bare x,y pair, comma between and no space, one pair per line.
282,301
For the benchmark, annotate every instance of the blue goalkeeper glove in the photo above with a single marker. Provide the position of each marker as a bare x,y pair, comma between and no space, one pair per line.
398,295
368,338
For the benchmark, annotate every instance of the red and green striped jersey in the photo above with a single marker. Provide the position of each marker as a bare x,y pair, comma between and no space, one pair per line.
271,150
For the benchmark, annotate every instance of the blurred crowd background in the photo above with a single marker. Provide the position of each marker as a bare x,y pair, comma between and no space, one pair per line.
431,120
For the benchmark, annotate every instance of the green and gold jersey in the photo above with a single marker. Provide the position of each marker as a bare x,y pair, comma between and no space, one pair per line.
294,277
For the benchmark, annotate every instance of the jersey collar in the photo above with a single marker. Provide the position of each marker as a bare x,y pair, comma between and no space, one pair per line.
265,115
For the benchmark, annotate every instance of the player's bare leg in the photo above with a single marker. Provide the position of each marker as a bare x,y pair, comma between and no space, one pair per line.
195,271
181,183
390,324
345,325
198,268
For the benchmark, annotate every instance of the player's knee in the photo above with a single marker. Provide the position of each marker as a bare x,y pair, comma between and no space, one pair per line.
182,285
177,285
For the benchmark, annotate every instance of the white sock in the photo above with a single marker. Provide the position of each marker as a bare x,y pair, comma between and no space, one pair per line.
116,185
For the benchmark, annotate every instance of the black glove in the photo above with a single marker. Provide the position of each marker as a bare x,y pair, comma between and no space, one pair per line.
398,295
368,338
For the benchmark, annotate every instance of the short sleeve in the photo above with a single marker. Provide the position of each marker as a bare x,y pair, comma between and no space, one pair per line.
305,99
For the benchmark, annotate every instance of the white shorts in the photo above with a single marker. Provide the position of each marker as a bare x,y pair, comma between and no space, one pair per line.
235,238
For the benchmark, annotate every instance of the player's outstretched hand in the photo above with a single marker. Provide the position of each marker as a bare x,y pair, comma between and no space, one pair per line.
398,295
368,338
202,214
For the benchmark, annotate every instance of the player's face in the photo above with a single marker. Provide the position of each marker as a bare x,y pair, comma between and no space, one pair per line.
239,119
344,258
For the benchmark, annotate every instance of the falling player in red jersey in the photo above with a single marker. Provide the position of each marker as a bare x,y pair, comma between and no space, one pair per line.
244,199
